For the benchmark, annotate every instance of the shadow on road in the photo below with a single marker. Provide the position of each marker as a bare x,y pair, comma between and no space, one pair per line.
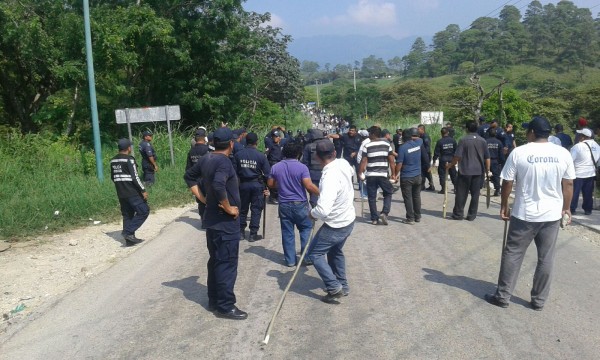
265,253
302,285
477,288
193,221
192,290
116,236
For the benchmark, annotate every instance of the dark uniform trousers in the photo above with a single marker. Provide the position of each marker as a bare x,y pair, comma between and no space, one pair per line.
135,211
148,173
251,195
442,173
222,268
495,169
465,185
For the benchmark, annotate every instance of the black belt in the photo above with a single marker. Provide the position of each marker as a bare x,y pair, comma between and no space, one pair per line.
248,180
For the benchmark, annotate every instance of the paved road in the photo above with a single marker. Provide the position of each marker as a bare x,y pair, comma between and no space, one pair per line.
416,292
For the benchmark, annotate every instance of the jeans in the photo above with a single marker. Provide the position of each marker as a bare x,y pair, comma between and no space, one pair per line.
252,198
411,193
290,214
586,187
328,257
374,182
135,211
465,185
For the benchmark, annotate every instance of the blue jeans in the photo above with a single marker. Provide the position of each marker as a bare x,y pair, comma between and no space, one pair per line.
328,257
290,214
382,182
586,187
135,211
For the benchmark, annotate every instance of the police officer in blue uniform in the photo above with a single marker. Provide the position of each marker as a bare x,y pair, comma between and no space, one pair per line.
149,165
275,155
496,148
444,151
198,151
131,192
252,169
221,221
310,159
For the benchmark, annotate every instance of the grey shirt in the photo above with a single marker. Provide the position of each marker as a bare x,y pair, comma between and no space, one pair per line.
473,151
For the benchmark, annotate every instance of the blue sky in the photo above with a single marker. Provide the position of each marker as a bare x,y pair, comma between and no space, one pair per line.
396,18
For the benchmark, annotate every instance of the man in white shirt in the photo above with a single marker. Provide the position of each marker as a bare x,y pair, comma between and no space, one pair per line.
544,176
335,207
586,156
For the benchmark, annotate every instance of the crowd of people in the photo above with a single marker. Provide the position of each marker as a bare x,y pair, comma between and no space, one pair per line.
232,180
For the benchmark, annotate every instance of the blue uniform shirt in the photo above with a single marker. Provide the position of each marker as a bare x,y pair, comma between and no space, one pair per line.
251,164
411,156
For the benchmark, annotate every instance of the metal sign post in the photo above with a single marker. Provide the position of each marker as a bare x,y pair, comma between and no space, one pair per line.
129,131
150,114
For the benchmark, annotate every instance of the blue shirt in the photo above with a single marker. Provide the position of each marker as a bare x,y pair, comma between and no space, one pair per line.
411,155
251,164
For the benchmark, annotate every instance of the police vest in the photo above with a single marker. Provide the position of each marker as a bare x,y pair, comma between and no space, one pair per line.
314,162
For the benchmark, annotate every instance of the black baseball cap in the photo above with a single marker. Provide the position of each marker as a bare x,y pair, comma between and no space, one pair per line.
147,133
539,125
123,144
324,147
222,135
276,133
251,138
413,132
201,132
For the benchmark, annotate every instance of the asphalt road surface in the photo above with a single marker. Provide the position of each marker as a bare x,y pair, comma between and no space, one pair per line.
416,293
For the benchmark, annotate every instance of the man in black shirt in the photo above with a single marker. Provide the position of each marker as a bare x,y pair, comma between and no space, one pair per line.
252,169
131,192
310,159
196,152
221,221
274,155
496,149
444,151
425,173
149,165
397,139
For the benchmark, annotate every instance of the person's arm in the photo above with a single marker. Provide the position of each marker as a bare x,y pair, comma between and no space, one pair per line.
153,162
195,189
310,187
333,136
567,190
219,185
326,199
453,163
363,165
437,151
136,179
397,170
391,161
506,190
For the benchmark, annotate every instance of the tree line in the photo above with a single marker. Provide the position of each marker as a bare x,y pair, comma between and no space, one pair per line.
562,37
216,60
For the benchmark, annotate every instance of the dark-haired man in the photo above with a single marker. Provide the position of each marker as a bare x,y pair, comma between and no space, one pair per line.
565,140
309,158
351,144
252,168
131,192
196,152
425,173
473,159
221,220
274,153
292,180
376,159
335,207
536,212
149,165
496,149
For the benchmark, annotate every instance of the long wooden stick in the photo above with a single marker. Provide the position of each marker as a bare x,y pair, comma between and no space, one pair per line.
445,198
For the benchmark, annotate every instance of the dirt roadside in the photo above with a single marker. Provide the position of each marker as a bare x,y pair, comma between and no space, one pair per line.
39,272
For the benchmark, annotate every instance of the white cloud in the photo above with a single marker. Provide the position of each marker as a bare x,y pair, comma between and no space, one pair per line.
371,13
276,21
425,5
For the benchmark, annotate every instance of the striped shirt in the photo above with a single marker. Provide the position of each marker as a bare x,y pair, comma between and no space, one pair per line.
377,152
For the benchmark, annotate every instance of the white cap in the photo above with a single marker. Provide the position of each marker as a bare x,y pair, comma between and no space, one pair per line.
363,132
585,132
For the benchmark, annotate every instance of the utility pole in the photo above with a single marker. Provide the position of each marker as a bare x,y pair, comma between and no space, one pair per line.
501,108
366,111
92,86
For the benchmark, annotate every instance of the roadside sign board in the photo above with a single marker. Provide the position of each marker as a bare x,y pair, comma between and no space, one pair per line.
432,117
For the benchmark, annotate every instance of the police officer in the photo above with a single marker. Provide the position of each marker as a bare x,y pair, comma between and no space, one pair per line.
425,173
397,139
131,192
337,144
483,127
149,165
252,169
221,221
496,148
274,155
310,159
444,151
198,151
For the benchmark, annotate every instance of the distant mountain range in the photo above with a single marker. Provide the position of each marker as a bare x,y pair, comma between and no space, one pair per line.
346,49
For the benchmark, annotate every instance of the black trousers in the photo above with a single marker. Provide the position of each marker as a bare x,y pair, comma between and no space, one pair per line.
135,211
442,173
222,268
495,169
251,195
411,193
465,185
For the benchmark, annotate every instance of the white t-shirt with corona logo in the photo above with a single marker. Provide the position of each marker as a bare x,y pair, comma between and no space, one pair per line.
538,170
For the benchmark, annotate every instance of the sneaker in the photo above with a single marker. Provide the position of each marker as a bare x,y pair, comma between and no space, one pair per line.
497,193
242,235
492,299
383,218
441,191
374,222
331,298
408,222
587,213
418,220
430,188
